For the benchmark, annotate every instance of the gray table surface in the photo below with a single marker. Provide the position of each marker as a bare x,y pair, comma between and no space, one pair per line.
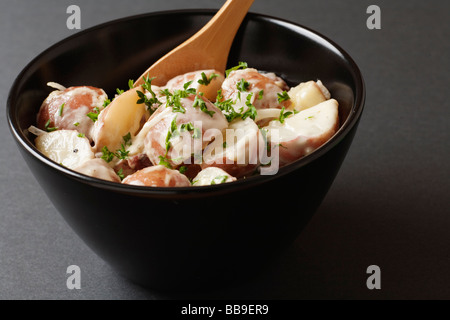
389,205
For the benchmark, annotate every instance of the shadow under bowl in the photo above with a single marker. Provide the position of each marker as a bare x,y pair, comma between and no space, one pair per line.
188,238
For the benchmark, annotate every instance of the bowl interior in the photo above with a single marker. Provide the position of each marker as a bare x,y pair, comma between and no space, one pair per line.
108,55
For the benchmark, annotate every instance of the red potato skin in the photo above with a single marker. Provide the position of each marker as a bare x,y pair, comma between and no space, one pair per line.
51,106
210,93
257,82
158,176
155,141
153,147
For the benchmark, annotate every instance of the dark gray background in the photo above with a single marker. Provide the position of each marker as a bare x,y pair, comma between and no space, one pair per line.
389,205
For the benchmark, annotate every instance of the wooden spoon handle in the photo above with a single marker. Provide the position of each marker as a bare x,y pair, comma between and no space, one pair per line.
207,49
218,34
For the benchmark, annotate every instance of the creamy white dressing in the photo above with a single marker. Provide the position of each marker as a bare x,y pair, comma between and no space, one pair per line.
300,134
98,168
78,116
65,147
184,145
258,82
192,114
212,175
193,77
242,138
138,142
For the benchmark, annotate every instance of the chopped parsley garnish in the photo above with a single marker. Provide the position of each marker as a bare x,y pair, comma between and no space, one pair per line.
170,134
231,114
190,127
47,127
127,139
81,135
149,102
166,92
189,90
119,91
108,156
147,85
227,109
251,111
182,169
106,103
120,174
61,109
219,179
174,101
121,154
199,102
131,84
283,97
205,81
284,115
243,85
94,114
187,127
224,145
163,161
76,124
260,94
241,65
219,95
197,133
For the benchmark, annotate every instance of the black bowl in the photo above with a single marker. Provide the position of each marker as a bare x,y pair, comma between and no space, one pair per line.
185,238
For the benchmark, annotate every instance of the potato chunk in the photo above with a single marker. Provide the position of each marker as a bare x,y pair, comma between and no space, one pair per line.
304,132
237,152
307,95
209,88
66,147
121,117
212,176
158,176
68,109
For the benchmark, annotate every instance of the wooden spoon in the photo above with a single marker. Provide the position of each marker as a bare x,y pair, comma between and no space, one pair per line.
207,49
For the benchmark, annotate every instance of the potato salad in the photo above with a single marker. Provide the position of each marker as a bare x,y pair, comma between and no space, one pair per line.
201,128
